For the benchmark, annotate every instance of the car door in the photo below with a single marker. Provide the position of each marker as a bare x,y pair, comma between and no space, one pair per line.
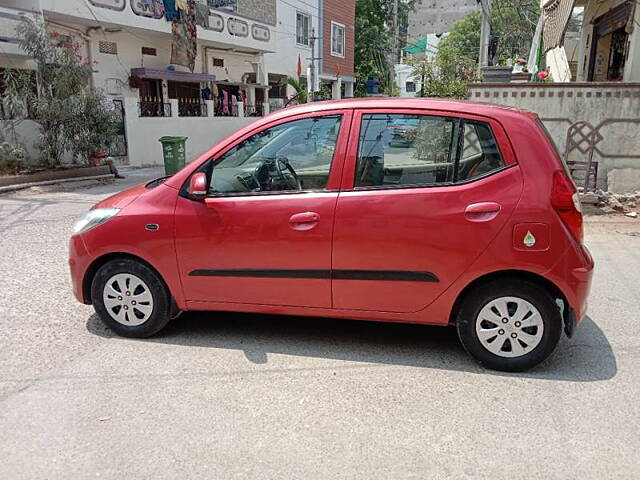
424,193
263,233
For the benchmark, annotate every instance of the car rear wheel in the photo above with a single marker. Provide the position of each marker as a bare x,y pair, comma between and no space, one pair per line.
130,298
509,325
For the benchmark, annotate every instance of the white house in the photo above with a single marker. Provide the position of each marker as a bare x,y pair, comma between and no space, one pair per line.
408,85
298,22
131,43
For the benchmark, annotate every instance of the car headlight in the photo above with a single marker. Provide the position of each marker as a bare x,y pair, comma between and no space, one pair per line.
93,218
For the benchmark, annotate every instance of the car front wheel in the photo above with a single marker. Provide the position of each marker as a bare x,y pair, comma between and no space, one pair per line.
130,298
509,325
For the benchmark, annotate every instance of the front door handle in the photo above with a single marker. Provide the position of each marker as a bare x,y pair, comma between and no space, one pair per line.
304,221
482,211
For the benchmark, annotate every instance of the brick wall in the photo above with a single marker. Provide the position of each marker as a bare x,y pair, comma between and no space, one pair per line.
343,12
262,10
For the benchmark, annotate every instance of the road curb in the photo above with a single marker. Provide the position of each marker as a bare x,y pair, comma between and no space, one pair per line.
21,186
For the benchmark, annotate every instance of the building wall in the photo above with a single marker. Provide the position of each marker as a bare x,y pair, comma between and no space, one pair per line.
343,12
33,5
27,134
236,65
593,10
83,11
284,61
632,68
263,10
612,108
111,72
202,133
404,74
437,16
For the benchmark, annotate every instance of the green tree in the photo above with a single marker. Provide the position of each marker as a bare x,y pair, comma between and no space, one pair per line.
93,125
372,43
440,80
456,62
300,89
374,40
464,39
56,95
513,24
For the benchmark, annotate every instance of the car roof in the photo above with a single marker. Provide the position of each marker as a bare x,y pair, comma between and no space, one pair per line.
449,105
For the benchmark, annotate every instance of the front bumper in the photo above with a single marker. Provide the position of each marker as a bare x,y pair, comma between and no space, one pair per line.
78,263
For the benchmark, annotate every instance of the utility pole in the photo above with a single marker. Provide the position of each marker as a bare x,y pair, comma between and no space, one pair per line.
394,46
312,69
485,32
313,73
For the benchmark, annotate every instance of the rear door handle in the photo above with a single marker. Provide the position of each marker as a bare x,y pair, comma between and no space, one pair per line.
304,221
482,211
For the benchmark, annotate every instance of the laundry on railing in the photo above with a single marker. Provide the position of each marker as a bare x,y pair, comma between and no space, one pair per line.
184,47
171,12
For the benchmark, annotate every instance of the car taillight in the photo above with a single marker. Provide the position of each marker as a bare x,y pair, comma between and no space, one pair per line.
565,200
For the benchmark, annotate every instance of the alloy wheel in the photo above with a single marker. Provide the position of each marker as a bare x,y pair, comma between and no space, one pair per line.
509,327
128,299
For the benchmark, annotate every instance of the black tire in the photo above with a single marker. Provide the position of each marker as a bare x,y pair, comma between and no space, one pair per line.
481,295
161,311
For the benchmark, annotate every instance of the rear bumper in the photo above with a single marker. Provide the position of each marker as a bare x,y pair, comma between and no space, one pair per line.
573,276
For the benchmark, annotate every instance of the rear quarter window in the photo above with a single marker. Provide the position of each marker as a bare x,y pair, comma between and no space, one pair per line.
480,152
554,146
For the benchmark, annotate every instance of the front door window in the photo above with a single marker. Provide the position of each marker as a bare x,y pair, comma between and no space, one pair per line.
294,156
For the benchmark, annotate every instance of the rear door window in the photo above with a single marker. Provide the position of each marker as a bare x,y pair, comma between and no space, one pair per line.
398,150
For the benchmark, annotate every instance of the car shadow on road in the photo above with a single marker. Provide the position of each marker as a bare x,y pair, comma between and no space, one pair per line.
587,357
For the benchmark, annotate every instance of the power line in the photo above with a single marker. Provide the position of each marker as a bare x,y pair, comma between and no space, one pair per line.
304,3
104,34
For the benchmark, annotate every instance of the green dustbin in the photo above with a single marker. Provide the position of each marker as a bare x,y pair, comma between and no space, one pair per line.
173,151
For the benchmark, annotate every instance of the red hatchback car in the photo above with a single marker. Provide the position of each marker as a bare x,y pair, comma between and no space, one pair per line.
473,221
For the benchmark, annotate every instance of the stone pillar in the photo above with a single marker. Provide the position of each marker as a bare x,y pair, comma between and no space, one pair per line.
336,89
174,107
240,109
251,96
165,88
210,108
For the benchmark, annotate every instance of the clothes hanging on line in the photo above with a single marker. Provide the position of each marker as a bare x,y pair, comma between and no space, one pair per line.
171,13
184,45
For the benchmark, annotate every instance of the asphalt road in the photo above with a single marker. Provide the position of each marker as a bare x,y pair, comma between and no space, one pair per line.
257,397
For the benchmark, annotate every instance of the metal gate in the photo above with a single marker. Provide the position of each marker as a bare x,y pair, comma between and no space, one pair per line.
118,147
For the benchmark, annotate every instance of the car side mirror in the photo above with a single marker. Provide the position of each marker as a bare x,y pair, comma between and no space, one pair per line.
198,186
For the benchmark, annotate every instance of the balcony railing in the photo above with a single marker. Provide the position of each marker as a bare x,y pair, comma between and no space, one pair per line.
226,4
154,108
191,108
225,109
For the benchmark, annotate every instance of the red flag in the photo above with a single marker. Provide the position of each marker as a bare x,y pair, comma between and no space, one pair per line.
299,69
